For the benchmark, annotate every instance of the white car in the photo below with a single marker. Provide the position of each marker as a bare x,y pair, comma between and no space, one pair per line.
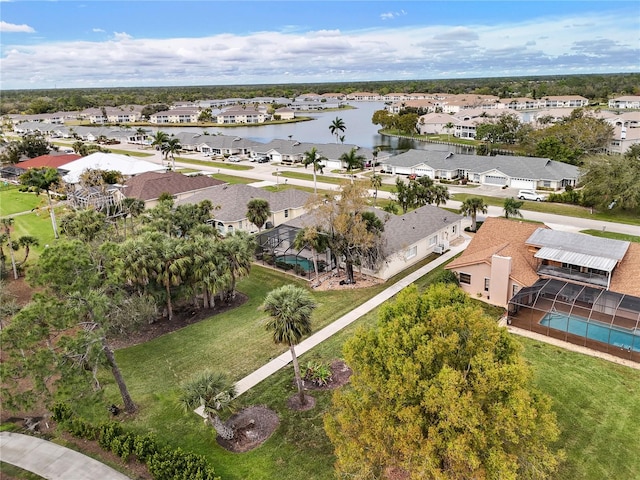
234,159
531,195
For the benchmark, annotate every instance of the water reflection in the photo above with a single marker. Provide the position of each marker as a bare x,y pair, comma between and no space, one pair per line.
360,131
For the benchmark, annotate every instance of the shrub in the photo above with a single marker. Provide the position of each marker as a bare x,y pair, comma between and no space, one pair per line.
61,412
107,432
80,428
446,276
318,373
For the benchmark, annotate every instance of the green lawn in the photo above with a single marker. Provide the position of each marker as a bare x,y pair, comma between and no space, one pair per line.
596,401
212,163
13,201
628,217
614,235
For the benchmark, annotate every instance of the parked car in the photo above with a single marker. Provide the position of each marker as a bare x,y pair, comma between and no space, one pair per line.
234,159
263,159
531,195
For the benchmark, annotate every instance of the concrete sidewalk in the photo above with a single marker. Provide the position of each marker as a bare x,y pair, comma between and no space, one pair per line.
52,461
281,361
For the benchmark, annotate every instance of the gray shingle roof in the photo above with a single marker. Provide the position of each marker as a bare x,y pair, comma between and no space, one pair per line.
534,168
233,199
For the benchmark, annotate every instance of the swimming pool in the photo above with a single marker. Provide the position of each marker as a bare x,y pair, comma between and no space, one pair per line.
601,332
293,260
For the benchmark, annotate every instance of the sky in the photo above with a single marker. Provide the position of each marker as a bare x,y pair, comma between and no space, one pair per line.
105,43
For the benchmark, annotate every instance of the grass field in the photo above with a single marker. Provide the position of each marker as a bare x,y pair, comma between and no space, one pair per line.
213,163
613,235
13,201
596,401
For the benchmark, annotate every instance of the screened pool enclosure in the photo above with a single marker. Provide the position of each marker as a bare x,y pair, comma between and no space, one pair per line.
592,317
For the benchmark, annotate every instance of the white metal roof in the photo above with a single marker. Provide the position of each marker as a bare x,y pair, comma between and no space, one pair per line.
574,258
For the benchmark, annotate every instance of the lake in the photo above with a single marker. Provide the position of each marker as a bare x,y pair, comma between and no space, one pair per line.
360,131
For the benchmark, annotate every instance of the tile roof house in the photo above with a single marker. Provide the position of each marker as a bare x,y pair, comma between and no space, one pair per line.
232,201
149,186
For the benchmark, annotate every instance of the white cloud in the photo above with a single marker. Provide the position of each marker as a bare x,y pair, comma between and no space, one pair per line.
392,15
6,27
331,55
97,30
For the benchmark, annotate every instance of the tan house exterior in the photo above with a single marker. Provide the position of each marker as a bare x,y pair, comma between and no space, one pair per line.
497,264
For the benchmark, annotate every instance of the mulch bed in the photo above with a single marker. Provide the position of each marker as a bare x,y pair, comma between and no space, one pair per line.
253,426
340,374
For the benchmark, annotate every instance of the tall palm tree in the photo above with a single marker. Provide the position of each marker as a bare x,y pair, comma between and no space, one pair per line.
512,207
214,392
471,206
6,223
337,127
26,242
449,126
290,308
238,248
439,195
353,160
43,179
258,212
170,148
376,183
159,139
311,157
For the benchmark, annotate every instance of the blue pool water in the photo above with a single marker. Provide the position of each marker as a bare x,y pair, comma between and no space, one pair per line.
293,260
616,336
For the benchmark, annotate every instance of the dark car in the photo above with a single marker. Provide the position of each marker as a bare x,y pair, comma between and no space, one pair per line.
263,159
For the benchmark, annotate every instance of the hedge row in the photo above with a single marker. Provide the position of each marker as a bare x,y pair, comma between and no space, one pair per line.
163,462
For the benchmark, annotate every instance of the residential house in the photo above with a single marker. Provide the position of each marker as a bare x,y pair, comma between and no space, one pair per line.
127,166
149,186
627,101
407,239
243,115
436,124
231,203
176,115
571,286
499,170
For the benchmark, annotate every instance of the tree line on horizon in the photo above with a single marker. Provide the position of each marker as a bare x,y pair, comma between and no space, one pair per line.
598,88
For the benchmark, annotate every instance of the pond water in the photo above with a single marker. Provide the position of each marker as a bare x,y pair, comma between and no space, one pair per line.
360,131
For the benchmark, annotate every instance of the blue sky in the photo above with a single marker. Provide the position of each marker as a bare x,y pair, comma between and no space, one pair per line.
93,43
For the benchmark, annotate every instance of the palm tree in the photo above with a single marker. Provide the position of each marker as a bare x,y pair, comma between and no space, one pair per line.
6,223
212,391
353,160
449,126
170,148
238,248
43,179
376,183
312,157
337,127
258,211
439,195
159,139
317,241
26,241
512,207
290,309
471,206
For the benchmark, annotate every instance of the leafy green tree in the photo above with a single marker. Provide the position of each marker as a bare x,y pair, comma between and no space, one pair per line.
404,194
85,225
471,206
290,308
511,207
407,123
313,158
205,116
43,179
337,127
382,118
29,146
212,391
613,181
26,242
440,391
258,212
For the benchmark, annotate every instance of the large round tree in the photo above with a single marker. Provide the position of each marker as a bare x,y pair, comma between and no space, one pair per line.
290,308
440,391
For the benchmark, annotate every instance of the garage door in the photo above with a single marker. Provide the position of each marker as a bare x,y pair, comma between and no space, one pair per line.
495,180
519,183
